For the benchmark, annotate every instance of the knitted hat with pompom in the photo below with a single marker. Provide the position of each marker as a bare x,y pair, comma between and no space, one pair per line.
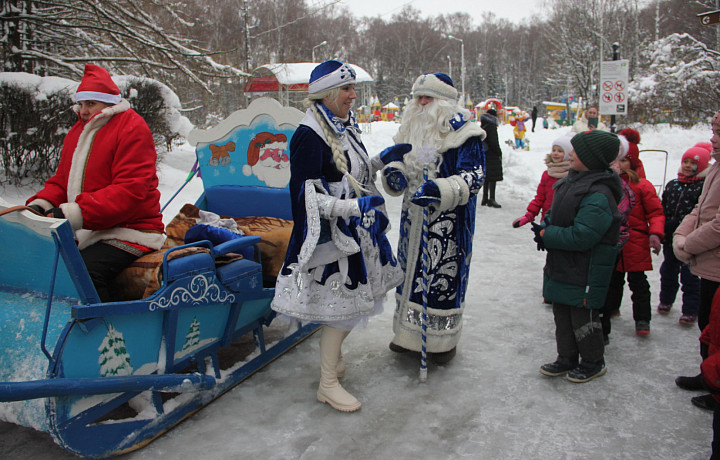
700,155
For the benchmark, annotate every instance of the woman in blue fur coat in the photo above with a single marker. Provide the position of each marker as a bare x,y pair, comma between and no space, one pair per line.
339,264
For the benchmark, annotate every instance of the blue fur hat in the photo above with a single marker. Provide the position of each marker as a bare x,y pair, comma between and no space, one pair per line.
329,75
435,84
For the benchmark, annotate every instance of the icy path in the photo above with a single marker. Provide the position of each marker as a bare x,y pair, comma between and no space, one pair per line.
488,403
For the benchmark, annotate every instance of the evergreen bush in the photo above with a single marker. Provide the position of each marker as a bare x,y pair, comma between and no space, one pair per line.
33,125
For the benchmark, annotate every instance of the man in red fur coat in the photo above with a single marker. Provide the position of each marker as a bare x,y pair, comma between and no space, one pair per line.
106,182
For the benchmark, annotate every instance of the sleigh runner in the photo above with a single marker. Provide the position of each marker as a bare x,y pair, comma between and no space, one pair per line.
107,378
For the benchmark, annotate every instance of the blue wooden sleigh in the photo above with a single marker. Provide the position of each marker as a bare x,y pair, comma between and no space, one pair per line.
107,378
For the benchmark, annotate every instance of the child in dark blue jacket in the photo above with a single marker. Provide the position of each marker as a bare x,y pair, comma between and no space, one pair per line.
678,200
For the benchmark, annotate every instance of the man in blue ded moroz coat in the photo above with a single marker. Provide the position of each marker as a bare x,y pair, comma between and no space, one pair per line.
449,145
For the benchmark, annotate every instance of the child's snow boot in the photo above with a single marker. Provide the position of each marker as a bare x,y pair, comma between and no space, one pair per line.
587,371
687,320
706,402
694,383
642,327
561,366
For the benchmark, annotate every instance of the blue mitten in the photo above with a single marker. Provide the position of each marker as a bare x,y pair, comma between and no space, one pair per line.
537,228
427,194
395,178
372,219
366,203
394,153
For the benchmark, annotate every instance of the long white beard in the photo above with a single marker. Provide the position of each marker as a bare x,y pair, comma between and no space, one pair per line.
425,128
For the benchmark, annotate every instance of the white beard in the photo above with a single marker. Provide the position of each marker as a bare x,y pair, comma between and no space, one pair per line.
424,127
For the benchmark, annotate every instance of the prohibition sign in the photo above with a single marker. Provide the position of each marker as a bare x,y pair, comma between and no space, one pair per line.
607,86
619,85
619,97
607,97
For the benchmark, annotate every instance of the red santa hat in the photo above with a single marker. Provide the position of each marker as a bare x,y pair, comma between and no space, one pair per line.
96,85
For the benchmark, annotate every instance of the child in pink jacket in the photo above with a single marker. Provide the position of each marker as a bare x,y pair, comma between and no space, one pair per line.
558,164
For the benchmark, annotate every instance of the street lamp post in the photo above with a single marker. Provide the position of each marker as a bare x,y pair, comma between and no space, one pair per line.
449,67
462,66
324,42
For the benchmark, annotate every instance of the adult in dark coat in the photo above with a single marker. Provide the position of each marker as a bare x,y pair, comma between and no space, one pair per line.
533,115
493,157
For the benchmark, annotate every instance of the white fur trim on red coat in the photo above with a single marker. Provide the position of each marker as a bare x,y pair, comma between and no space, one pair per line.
73,214
84,145
87,238
45,204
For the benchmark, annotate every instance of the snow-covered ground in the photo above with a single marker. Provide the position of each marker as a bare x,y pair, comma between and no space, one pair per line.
490,402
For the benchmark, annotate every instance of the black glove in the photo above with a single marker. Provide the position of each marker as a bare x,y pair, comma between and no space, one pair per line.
56,213
37,208
537,228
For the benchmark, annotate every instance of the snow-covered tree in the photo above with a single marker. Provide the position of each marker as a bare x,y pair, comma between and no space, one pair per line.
114,359
677,82
57,37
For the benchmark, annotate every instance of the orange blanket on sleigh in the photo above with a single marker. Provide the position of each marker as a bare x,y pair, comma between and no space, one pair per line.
141,278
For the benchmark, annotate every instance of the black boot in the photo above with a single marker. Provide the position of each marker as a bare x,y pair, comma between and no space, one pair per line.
442,358
691,383
586,371
706,402
559,367
491,200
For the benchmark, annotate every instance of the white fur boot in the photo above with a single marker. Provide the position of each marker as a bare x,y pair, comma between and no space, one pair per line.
330,390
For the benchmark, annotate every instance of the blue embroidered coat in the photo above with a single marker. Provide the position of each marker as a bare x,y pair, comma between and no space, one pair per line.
459,173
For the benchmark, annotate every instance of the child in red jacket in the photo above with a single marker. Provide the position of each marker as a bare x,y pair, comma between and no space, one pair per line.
558,164
647,223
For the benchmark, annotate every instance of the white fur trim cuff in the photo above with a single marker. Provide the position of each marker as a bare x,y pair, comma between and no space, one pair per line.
463,187
45,204
449,194
73,214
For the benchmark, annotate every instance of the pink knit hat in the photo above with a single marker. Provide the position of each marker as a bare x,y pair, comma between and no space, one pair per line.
700,155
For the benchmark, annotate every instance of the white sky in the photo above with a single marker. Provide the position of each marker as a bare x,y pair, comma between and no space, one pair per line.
513,10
